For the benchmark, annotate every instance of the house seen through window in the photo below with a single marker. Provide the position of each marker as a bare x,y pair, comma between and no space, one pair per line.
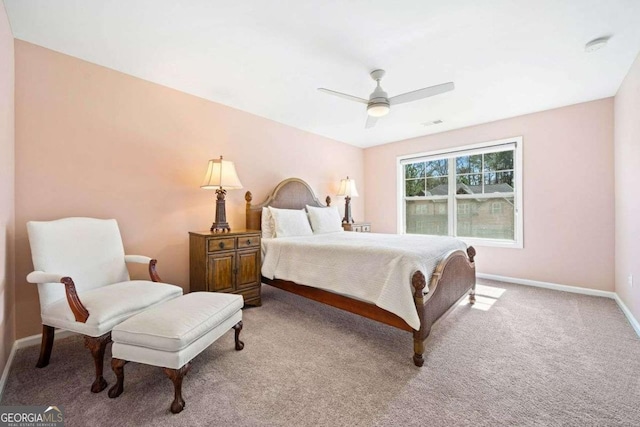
471,193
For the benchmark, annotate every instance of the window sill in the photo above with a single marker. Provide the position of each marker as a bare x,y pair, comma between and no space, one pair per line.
496,243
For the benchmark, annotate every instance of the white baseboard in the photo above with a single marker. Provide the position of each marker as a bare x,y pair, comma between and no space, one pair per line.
36,339
7,366
565,288
547,285
22,343
634,323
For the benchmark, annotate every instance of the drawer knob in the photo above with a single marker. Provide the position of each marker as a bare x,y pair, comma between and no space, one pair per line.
248,241
221,245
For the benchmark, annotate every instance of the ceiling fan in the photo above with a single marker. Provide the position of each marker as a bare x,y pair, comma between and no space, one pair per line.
379,103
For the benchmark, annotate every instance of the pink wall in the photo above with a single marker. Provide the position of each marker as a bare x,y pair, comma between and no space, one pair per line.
91,141
7,196
627,176
568,193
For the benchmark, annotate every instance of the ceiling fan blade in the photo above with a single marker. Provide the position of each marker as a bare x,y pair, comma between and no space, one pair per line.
371,122
421,93
344,95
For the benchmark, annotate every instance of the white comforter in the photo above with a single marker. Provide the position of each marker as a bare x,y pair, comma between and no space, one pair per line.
376,268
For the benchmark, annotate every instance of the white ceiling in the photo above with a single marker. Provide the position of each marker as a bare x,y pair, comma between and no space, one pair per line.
506,57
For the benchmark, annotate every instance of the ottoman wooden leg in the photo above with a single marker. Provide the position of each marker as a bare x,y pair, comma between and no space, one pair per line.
118,368
238,328
176,376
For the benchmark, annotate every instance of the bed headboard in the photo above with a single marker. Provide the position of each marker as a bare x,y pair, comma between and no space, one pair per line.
292,193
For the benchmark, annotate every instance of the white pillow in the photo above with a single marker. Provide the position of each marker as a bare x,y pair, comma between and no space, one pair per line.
324,220
291,222
267,225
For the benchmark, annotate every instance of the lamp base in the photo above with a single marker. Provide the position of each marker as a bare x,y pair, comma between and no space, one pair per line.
220,225
347,211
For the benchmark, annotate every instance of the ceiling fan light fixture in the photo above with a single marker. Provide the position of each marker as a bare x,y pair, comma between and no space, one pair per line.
378,109
379,103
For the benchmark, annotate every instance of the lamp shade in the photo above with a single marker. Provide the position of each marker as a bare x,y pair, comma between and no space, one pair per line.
348,188
221,174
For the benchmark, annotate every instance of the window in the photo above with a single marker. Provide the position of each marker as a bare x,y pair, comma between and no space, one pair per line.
463,208
473,192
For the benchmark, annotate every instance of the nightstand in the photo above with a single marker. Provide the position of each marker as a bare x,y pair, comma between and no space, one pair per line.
361,227
226,262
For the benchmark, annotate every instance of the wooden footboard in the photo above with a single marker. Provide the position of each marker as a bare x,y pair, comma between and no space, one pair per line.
452,278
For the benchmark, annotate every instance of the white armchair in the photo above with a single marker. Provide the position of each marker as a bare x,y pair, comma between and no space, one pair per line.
84,285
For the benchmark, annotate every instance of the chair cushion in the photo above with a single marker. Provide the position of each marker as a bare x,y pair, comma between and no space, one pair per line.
109,305
176,324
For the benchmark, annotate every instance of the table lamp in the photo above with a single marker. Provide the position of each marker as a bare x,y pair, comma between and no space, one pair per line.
221,176
348,190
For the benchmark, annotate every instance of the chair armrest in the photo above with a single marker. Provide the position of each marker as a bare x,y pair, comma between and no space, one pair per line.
80,312
141,259
138,259
42,277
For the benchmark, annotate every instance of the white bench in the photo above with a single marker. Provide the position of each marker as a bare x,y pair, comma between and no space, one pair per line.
171,334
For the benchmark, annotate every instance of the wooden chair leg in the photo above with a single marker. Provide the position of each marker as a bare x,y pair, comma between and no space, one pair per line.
418,351
48,333
97,346
238,328
118,368
176,376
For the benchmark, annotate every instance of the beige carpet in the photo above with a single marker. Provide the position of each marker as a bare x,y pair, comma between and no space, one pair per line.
523,356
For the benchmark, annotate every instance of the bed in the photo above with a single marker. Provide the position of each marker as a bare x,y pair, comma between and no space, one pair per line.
450,280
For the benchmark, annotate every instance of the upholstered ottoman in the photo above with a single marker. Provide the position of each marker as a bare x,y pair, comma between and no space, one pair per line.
171,334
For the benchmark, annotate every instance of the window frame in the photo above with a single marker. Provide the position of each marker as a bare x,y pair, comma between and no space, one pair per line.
451,153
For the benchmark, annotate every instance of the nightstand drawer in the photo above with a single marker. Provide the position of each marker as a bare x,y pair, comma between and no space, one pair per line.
366,228
248,241
215,245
